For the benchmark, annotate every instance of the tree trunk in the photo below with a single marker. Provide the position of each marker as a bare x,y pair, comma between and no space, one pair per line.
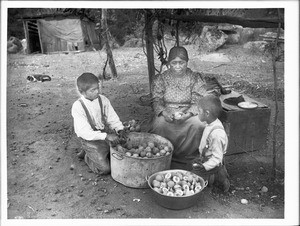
149,47
106,44
274,59
177,32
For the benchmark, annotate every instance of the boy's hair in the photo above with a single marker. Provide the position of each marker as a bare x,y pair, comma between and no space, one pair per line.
212,104
85,81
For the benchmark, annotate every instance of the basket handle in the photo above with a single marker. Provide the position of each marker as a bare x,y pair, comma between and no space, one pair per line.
117,156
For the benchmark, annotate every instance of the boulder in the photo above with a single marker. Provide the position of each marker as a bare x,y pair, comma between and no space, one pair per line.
233,38
211,39
233,32
12,48
14,45
246,35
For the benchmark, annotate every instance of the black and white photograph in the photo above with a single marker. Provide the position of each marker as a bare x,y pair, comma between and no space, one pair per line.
150,113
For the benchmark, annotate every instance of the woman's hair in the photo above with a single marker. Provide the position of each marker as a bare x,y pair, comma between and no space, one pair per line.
178,51
211,103
85,81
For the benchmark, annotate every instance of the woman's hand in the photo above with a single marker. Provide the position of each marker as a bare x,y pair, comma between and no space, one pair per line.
168,116
183,117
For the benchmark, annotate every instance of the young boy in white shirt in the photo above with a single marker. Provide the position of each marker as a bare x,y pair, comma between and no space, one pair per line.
96,124
213,144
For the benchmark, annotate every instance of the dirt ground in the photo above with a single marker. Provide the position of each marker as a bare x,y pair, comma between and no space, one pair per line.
42,147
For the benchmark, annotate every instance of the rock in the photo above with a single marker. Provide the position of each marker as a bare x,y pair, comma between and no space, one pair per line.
262,170
211,39
233,32
246,35
264,189
14,45
233,38
12,48
72,167
244,201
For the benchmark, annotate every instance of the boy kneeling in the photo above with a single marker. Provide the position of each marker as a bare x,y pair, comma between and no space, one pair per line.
93,117
213,144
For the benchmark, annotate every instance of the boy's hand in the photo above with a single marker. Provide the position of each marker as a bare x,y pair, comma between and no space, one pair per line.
113,139
197,164
122,134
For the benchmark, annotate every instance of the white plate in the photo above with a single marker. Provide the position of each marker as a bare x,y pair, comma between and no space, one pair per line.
248,105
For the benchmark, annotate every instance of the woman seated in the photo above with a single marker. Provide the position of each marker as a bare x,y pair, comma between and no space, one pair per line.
175,93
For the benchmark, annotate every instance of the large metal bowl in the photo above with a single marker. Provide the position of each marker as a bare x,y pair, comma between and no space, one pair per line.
176,202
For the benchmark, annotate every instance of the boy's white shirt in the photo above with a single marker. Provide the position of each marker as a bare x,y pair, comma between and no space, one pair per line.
82,126
218,141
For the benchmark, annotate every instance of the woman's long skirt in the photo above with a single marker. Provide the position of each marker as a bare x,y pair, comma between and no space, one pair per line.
185,138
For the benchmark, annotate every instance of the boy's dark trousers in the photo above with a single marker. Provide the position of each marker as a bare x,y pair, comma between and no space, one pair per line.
217,176
96,155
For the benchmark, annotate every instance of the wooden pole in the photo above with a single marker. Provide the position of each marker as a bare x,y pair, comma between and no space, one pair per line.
149,46
177,32
245,22
106,43
274,59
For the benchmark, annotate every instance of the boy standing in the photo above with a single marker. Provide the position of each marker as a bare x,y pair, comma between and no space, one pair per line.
93,116
213,144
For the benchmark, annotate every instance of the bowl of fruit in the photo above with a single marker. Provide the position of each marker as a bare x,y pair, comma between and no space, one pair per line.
176,189
140,156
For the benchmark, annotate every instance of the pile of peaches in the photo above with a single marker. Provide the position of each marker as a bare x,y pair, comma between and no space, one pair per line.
144,150
176,184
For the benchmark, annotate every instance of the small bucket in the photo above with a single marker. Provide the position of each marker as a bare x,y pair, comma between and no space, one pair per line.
134,171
